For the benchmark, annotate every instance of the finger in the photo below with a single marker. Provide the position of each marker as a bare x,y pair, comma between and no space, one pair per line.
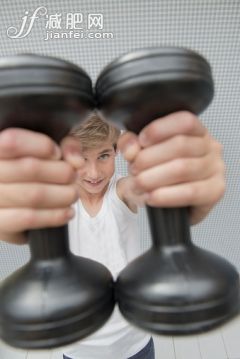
198,213
199,193
29,218
72,151
179,146
17,142
138,197
178,171
37,195
129,145
182,122
15,238
29,169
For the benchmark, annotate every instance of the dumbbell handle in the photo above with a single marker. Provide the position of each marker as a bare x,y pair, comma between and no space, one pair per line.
169,226
48,243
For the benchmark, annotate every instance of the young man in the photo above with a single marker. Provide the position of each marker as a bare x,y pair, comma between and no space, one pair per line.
173,162
105,229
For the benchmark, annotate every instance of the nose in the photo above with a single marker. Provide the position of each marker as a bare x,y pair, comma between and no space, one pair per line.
92,171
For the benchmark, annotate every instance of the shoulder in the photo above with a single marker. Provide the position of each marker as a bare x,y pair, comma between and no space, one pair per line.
122,189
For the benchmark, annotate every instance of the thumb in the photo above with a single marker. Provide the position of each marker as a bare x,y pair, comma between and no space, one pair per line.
71,151
129,146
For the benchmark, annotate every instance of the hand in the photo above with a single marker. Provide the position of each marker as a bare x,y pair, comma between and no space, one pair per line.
175,162
36,187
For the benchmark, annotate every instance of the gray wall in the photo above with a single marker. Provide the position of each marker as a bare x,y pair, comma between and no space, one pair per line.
209,27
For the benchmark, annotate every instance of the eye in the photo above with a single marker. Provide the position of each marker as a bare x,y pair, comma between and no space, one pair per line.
104,156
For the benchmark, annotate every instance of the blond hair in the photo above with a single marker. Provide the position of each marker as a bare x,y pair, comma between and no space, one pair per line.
94,131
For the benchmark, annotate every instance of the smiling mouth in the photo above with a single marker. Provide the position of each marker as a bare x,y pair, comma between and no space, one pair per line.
94,183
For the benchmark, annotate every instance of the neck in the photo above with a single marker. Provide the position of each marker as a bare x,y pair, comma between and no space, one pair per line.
92,198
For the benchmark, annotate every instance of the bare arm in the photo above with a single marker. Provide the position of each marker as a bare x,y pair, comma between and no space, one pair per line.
125,193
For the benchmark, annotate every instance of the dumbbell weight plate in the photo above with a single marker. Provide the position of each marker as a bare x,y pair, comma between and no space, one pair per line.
146,84
43,94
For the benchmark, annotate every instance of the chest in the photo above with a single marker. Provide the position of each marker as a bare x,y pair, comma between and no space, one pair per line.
92,209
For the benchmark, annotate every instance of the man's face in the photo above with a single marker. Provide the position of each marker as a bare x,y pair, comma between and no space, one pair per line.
98,168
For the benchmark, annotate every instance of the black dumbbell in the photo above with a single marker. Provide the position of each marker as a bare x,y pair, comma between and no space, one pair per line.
175,287
56,298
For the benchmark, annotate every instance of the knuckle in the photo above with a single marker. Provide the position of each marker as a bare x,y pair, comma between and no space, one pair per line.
36,196
189,121
181,169
181,143
64,215
124,139
48,146
73,194
207,142
192,192
30,166
29,218
140,159
154,128
139,181
216,163
68,172
215,145
60,216
9,139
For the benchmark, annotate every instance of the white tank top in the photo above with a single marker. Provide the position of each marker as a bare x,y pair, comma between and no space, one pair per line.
111,238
